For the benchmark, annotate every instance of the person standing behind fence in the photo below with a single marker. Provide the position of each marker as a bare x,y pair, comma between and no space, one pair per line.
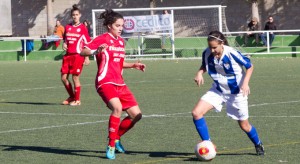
109,49
231,86
76,36
270,25
164,35
252,26
58,32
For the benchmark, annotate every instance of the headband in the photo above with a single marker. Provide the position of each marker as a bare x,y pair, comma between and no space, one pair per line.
215,38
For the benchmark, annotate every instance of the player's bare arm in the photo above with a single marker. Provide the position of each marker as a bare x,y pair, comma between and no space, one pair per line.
199,78
86,52
245,87
137,65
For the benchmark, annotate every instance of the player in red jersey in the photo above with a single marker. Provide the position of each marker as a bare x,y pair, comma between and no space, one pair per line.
110,54
76,36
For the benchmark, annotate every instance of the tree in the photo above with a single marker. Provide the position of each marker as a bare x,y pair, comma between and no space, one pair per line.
152,5
254,9
49,17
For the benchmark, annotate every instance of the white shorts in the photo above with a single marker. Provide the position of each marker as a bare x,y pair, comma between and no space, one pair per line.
236,104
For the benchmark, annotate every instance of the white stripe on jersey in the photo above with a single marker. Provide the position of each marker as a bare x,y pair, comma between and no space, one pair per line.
79,43
103,74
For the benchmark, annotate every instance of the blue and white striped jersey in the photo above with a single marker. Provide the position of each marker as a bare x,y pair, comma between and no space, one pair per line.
227,72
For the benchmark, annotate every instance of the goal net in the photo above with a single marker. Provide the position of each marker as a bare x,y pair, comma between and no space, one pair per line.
185,35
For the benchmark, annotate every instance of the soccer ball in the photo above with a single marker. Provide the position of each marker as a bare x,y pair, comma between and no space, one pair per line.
205,150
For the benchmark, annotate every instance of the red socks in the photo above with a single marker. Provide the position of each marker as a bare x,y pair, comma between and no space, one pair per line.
113,130
77,92
69,90
125,125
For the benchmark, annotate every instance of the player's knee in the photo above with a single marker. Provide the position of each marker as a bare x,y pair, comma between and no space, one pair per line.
117,111
138,117
245,125
197,114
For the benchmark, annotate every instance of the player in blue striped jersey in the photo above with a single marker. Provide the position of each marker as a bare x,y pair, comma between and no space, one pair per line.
231,87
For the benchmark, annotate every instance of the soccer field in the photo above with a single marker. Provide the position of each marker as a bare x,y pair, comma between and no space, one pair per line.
35,128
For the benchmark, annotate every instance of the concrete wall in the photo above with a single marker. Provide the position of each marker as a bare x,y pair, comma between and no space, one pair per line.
6,24
29,17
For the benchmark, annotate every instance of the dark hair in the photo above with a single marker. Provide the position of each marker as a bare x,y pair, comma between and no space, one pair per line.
217,36
110,17
75,8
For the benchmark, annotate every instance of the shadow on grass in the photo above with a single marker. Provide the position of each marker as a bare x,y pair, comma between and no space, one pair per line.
168,155
52,150
30,103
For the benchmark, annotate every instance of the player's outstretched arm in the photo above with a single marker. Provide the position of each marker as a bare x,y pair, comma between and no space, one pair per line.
86,52
137,65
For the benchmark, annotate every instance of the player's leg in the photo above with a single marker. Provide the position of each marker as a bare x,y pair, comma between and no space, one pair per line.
212,99
77,65
77,90
68,87
237,109
65,80
109,95
131,107
251,132
113,126
134,115
201,108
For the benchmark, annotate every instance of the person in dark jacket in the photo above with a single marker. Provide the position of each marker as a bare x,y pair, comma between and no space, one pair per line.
270,25
252,26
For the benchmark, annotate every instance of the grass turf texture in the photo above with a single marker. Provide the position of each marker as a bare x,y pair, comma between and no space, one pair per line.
35,128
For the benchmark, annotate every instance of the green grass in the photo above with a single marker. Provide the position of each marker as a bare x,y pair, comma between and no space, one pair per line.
184,47
35,128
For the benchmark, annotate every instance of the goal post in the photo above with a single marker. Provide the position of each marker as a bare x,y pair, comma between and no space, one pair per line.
185,22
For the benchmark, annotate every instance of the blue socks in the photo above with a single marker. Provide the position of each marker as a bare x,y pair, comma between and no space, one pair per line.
253,136
202,128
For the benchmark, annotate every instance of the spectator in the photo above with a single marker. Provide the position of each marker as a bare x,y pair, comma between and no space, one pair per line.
164,35
88,26
252,26
58,32
270,25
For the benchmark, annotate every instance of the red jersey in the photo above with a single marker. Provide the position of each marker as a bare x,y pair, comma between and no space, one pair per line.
76,36
110,62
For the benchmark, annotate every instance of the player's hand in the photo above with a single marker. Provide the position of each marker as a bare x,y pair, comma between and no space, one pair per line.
86,61
65,46
139,66
245,90
199,79
102,48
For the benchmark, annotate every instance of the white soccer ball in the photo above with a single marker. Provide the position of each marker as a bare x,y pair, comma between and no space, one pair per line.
205,150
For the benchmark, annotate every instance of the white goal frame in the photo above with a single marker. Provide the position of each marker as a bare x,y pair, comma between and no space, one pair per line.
172,9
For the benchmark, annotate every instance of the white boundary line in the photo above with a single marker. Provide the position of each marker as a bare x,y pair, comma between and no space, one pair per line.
146,116
54,126
152,115
54,87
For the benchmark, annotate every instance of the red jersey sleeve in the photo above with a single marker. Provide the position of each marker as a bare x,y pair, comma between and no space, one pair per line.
94,44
